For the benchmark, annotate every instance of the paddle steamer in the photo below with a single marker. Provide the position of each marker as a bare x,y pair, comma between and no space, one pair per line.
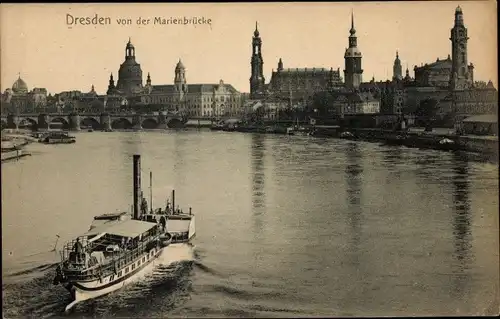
118,247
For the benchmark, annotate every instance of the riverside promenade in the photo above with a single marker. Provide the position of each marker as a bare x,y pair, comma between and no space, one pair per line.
417,137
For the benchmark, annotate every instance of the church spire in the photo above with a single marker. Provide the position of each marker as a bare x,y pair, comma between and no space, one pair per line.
256,32
353,30
353,41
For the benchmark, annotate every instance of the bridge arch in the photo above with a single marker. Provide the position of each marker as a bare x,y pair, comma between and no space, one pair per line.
121,123
149,123
59,121
28,123
174,123
90,122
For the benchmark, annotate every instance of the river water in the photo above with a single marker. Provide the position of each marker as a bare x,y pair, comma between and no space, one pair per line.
286,226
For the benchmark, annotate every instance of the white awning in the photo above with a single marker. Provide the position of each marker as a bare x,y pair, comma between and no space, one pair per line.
127,228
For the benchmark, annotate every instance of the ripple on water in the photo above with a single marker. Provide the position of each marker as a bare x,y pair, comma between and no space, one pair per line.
285,226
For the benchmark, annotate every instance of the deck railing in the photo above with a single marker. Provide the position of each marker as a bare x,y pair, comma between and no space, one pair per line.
114,264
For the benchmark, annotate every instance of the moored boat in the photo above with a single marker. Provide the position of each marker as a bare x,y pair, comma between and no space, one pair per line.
447,144
219,126
114,251
347,135
58,138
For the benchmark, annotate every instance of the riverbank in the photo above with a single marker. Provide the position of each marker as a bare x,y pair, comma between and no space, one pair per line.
439,139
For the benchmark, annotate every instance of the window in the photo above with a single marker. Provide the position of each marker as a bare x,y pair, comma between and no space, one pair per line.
126,270
133,266
120,273
112,278
143,259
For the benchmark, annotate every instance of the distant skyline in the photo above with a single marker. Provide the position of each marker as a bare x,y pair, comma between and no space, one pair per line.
37,43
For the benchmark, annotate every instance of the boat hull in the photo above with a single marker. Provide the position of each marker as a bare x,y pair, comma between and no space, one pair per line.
58,141
81,291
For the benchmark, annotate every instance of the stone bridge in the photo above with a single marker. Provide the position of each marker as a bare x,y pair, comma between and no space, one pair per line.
104,121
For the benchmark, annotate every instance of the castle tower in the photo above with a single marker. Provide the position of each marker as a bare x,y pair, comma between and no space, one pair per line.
397,70
148,80
257,81
461,76
353,71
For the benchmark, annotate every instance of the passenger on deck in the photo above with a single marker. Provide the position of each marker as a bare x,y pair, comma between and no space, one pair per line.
144,206
78,249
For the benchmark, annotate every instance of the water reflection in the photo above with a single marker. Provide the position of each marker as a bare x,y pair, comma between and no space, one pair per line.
130,143
461,222
393,156
354,175
257,152
177,151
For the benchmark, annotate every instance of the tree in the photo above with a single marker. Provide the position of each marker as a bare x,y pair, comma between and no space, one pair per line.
427,110
323,102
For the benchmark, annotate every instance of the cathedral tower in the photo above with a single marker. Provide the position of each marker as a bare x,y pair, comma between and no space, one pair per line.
461,73
257,81
353,71
397,70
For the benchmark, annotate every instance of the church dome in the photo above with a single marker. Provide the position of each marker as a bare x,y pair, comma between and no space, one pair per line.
20,86
130,72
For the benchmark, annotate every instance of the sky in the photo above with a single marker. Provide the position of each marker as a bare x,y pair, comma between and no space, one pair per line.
37,42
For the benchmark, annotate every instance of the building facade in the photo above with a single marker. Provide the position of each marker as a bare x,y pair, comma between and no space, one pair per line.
192,100
357,103
297,86
20,99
